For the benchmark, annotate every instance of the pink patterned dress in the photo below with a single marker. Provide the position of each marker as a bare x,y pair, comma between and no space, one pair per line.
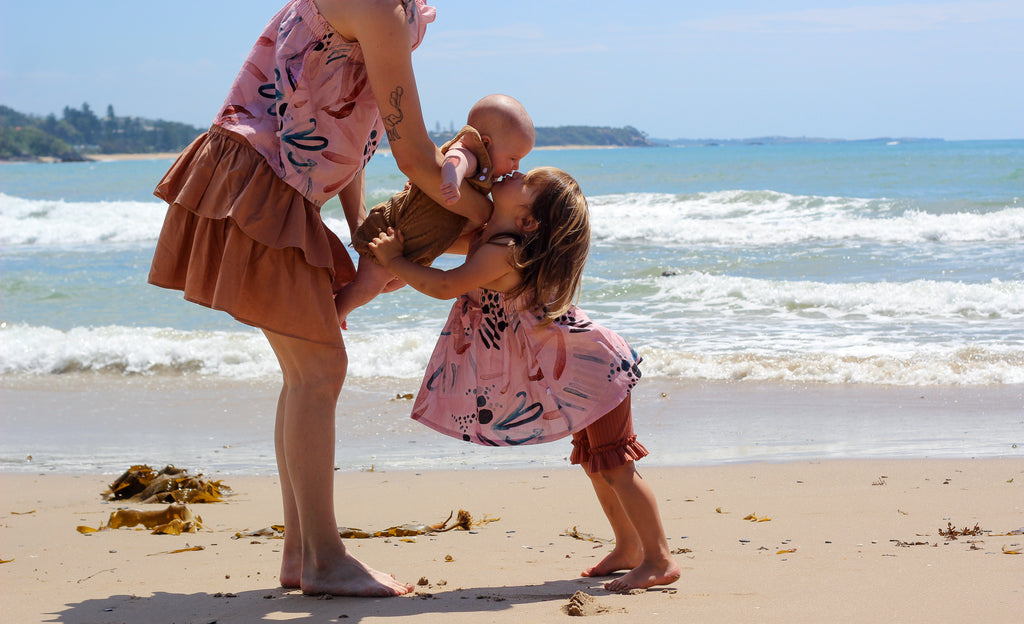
243,231
303,100
497,377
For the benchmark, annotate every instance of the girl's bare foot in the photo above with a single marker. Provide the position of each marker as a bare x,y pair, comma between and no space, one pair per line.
350,577
616,560
646,575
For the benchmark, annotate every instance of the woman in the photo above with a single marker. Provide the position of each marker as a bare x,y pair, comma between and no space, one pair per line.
243,231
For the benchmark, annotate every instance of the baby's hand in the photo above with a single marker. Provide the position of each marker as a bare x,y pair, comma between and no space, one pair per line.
387,246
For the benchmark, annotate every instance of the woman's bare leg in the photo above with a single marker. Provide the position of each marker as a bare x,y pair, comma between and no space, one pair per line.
305,436
291,561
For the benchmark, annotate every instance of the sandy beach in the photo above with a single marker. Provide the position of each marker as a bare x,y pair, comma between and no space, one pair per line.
850,541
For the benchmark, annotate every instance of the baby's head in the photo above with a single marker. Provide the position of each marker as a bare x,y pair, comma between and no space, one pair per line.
506,129
552,253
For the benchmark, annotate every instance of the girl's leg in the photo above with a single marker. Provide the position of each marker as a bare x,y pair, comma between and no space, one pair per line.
628,551
637,501
606,450
304,436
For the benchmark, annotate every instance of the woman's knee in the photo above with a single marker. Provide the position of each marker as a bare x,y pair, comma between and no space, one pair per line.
326,372
310,365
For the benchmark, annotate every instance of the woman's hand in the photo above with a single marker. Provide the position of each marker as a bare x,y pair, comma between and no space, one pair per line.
387,246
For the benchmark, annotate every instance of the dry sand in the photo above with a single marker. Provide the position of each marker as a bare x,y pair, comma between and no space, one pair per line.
840,541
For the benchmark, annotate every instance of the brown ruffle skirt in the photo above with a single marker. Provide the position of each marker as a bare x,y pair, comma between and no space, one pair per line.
239,239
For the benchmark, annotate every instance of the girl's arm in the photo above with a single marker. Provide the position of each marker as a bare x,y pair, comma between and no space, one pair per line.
381,27
487,264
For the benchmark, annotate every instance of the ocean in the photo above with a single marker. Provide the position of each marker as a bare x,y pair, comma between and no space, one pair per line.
872,264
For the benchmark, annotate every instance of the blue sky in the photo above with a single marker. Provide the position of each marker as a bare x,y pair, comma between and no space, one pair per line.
858,69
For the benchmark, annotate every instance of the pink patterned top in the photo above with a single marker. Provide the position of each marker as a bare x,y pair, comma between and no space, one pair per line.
303,100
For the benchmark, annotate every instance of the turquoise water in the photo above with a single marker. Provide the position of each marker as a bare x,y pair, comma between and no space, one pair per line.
857,262
791,271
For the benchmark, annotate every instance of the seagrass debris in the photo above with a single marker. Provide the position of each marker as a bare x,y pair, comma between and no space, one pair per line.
463,521
142,484
174,519
575,533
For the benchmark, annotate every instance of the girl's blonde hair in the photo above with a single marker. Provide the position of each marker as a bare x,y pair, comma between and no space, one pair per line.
551,258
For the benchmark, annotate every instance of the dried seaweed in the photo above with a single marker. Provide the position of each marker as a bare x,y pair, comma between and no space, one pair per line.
587,537
142,484
951,532
902,544
463,521
175,519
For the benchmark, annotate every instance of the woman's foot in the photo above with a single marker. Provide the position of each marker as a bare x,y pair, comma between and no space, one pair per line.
646,575
291,566
350,577
617,559
291,578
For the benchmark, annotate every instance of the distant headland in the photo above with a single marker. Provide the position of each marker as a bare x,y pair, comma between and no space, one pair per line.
80,134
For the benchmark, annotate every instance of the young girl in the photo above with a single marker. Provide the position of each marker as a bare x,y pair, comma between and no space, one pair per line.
517,363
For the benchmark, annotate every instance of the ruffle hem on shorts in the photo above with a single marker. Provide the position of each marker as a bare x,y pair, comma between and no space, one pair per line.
608,456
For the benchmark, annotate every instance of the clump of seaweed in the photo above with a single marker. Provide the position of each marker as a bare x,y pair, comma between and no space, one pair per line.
951,532
142,484
175,519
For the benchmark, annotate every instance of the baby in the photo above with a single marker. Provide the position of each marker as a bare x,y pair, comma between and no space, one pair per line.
498,134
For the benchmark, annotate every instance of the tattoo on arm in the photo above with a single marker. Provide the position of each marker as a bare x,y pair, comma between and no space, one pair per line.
392,120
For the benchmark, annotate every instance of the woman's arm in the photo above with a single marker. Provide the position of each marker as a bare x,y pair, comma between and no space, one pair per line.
353,202
487,264
381,27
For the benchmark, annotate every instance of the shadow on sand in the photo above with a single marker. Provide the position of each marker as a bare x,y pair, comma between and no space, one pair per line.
278,604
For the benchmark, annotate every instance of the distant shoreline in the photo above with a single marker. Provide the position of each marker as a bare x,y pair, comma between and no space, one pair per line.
172,155
152,156
657,143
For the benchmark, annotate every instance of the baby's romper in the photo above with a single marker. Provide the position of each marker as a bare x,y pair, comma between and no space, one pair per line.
243,231
428,227
498,377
